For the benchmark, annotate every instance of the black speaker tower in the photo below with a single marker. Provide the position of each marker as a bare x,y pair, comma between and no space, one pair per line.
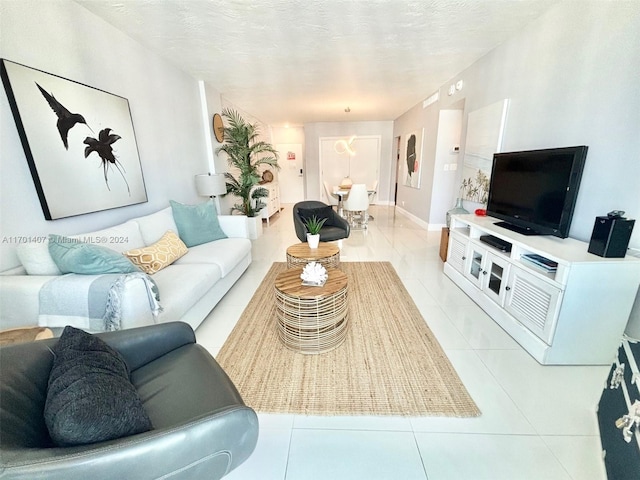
610,237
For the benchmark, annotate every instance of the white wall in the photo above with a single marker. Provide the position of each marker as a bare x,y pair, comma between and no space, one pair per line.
65,39
313,133
444,179
572,79
212,105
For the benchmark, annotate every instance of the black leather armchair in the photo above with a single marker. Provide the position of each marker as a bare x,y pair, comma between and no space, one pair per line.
202,428
335,228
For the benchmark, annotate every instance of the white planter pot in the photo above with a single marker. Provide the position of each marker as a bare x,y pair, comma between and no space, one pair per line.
254,226
313,240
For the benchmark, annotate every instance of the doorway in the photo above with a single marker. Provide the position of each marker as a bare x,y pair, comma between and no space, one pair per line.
361,165
397,156
290,176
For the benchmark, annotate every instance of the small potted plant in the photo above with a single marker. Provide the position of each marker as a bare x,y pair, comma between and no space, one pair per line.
313,226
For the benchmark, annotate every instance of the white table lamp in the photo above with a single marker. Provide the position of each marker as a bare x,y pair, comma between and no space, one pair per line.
208,185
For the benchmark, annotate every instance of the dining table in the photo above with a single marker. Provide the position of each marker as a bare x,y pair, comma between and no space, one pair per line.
342,193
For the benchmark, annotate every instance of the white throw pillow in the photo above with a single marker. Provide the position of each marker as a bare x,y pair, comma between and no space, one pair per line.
154,226
120,238
36,260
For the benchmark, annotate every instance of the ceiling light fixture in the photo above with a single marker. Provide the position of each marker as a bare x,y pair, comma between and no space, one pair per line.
345,146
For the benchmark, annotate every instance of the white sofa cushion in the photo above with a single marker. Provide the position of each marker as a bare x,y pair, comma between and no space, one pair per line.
19,305
181,286
154,226
120,238
226,253
36,259
234,225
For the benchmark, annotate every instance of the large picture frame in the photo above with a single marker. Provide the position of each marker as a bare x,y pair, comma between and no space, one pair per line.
79,142
411,160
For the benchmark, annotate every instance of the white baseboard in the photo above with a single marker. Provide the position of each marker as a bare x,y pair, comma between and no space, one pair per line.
419,221
411,216
437,226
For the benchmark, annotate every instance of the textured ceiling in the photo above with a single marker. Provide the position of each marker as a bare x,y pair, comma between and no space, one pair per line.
299,61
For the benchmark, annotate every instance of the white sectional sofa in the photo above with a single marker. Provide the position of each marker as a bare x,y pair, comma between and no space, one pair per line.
189,288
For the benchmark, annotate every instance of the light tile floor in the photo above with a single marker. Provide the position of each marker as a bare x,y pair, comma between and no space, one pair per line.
538,422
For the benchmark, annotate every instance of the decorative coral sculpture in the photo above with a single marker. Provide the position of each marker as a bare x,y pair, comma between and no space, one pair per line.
314,274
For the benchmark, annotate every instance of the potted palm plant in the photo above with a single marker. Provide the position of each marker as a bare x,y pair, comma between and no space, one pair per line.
245,155
313,226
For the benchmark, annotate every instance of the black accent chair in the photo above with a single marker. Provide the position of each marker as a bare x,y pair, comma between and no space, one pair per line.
202,428
335,228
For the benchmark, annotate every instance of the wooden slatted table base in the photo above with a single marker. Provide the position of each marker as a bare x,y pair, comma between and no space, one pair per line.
24,334
326,254
311,320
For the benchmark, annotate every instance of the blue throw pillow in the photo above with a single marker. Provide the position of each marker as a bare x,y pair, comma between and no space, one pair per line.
197,224
74,256
90,397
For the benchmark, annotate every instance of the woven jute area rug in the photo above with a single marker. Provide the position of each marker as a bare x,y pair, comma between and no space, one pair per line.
389,364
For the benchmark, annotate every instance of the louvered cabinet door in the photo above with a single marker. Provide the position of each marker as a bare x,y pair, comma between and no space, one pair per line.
457,253
533,302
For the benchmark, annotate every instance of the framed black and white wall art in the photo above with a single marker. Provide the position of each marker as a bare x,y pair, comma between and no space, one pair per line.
412,158
78,140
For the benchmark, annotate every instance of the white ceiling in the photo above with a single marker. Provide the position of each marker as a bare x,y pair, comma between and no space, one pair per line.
298,61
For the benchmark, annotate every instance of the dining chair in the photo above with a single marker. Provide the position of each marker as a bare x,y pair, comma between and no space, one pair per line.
373,191
332,198
357,205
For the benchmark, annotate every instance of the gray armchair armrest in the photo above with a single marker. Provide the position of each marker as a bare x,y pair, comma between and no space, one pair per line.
142,345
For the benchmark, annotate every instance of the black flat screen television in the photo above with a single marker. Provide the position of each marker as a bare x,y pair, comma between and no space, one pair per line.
535,191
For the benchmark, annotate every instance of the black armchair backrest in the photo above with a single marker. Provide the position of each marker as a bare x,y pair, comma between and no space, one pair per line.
301,231
338,229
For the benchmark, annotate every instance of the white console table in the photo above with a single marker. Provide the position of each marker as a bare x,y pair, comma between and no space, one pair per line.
272,200
575,315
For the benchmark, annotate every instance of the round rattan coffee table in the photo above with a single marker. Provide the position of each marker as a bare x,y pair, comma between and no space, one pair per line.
327,254
311,319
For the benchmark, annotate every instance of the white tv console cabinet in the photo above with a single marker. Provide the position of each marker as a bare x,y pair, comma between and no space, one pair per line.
575,315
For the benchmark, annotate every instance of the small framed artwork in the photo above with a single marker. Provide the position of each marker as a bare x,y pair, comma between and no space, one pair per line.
78,140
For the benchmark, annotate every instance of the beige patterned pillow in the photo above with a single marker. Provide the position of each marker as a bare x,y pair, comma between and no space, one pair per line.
159,255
